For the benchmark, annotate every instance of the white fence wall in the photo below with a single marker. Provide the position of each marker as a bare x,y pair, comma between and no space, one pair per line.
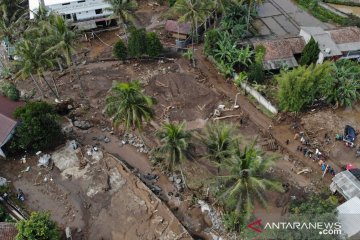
263,101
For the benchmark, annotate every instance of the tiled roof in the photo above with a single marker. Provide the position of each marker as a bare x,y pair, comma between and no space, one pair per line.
174,26
345,35
7,123
7,107
7,231
281,48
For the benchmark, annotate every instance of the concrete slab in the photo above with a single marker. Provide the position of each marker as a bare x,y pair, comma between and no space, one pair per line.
287,24
267,10
274,26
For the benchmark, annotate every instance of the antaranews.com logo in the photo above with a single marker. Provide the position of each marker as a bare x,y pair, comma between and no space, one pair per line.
323,228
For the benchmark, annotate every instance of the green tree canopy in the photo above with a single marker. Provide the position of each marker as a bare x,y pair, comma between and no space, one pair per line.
120,50
244,181
299,87
39,127
174,143
38,227
153,45
310,53
128,104
137,42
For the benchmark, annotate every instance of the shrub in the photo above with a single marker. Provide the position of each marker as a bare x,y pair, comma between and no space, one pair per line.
301,86
137,42
310,53
172,2
10,91
39,226
256,73
39,128
260,52
153,45
211,39
120,50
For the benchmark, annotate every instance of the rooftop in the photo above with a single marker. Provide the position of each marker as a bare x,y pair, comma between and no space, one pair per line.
7,231
281,48
347,184
349,216
7,107
174,26
345,35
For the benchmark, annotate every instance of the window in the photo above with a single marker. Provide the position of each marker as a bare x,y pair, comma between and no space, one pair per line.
66,4
81,1
67,16
98,11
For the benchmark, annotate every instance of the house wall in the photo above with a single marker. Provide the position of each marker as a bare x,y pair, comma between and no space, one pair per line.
82,10
320,58
305,35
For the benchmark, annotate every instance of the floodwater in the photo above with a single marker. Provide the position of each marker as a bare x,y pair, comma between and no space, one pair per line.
347,9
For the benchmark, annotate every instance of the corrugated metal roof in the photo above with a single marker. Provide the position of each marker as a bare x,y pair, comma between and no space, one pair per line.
347,184
349,216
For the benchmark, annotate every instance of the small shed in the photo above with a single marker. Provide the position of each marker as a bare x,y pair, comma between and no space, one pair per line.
178,30
349,217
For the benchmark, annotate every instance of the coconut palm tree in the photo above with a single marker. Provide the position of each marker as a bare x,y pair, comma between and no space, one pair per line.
194,12
33,60
127,104
218,139
123,10
175,144
244,180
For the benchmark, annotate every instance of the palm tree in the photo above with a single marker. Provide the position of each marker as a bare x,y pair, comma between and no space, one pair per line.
127,104
33,60
174,144
123,10
245,179
218,139
193,11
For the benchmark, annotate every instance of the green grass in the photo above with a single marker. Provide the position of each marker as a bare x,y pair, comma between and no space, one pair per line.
260,107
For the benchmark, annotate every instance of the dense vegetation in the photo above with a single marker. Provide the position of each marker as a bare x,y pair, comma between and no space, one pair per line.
39,226
337,83
39,128
310,53
10,91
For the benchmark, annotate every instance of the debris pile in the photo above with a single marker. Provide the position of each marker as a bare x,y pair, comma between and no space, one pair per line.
135,141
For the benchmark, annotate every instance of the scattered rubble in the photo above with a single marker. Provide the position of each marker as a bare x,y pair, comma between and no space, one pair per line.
83,125
135,141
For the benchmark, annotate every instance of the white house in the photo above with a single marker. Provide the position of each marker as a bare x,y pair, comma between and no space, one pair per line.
335,43
86,14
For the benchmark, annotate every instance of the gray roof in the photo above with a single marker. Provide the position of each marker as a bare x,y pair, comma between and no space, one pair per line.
349,216
279,63
326,44
346,184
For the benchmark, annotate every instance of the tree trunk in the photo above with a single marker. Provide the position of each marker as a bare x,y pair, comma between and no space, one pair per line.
38,86
55,86
47,83
59,64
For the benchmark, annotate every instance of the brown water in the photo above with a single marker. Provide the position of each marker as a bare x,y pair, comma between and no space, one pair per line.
347,9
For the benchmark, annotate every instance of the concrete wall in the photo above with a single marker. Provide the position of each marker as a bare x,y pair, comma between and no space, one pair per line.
265,103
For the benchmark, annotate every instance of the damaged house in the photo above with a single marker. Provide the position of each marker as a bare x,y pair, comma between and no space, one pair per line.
7,122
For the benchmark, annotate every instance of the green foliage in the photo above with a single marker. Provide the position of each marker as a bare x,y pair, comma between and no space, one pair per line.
120,50
315,209
235,20
343,88
211,38
232,221
123,10
153,45
38,227
256,73
10,91
39,127
301,86
175,144
171,2
244,180
188,54
137,42
219,141
4,216
310,53
127,104
260,52
241,77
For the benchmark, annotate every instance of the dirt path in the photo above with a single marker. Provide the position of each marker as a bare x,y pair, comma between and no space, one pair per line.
280,132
